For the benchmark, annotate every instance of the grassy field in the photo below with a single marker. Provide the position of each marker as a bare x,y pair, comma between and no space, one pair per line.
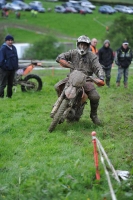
38,165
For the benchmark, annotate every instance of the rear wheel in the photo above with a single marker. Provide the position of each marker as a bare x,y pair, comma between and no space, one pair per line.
75,113
58,115
32,83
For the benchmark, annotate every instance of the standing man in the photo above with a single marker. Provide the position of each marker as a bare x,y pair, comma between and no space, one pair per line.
8,65
123,60
83,60
93,46
106,58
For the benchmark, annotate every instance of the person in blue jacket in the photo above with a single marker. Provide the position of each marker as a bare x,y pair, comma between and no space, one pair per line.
8,65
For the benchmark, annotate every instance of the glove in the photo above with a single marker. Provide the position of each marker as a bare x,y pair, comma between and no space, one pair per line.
71,65
101,78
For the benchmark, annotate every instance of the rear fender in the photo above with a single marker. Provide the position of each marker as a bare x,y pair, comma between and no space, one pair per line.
28,69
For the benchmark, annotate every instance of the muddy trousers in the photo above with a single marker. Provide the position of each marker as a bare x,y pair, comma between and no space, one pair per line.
6,78
94,97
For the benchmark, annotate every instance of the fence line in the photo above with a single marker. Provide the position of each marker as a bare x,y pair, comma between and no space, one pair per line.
49,64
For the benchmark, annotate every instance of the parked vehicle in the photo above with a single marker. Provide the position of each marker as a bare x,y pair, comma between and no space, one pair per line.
24,6
28,82
88,10
70,104
67,4
11,6
36,3
60,9
74,5
131,7
119,8
38,9
83,3
71,10
127,10
83,10
87,4
106,9
2,2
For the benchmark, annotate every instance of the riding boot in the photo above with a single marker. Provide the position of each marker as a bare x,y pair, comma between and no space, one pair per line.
93,113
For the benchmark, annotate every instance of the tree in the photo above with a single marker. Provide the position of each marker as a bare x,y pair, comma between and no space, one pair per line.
121,29
46,48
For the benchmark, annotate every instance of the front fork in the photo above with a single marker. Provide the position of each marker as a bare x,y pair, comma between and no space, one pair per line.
57,103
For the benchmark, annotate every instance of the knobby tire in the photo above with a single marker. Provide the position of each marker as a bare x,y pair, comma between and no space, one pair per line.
58,115
38,80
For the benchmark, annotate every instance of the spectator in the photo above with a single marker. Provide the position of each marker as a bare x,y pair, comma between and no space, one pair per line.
6,13
8,65
35,13
32,13
106,58
93,46
123,59
18,15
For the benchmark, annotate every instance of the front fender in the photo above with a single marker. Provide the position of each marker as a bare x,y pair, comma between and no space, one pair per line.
70,92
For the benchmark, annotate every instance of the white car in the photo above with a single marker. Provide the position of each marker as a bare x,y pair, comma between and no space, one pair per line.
11,6
84,3
87,4
127,10
36,3
24,6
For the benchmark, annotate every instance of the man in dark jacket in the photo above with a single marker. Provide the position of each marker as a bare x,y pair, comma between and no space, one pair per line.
123,59
8,65
106,58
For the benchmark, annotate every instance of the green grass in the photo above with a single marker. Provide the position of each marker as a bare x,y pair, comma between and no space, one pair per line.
36,164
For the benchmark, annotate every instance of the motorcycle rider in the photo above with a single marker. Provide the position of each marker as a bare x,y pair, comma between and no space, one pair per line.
83,60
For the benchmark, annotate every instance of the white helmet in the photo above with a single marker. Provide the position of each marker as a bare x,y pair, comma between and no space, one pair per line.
85,39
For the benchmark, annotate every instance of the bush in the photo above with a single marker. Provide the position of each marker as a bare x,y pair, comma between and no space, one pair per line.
120,30
46,48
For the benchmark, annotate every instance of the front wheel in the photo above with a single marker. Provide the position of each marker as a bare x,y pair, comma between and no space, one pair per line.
31,83
58,115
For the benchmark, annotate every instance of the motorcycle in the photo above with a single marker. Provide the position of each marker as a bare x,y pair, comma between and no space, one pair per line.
70,104
28,82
